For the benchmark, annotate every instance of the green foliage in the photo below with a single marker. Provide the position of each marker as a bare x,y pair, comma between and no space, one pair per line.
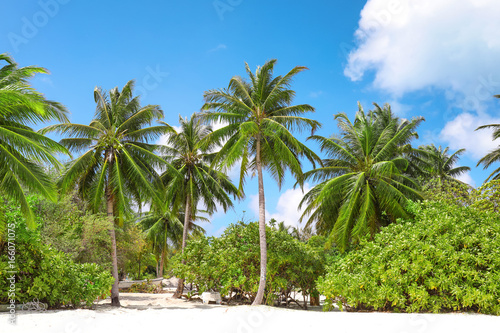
66,226
133,252
431,162
363,184
493,157
145,287
22,150
487,197
450,191
47,274
447,259
230,264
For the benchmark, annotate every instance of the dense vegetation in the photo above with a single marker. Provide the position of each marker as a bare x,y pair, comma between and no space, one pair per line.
45,273
230,264
447,258
85,219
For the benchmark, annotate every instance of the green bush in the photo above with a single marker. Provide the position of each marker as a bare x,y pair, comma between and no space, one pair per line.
230,264
68,227
446,259
47,274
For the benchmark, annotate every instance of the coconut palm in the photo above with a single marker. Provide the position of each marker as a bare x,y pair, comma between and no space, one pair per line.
260,117
164,231
116,168
494,155
437,164
22,150
363,185
161,229
194,182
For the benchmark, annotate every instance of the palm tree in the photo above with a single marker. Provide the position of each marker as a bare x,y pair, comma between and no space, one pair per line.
363,185
22,150
194,182
260,117
164,230
117,164
161,229
437,164
494,155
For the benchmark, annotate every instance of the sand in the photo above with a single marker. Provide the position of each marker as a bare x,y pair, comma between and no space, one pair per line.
159,312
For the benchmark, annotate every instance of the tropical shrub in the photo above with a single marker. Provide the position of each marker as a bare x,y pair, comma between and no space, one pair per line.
68,227
446,259
230,264
487,197
45,273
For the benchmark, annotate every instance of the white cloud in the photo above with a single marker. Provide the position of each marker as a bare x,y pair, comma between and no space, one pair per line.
466,178
218,48
316,94
451,45
287,208
460,133
399,108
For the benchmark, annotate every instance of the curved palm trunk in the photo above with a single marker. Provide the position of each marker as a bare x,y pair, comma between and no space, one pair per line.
115,301
262,231
187,220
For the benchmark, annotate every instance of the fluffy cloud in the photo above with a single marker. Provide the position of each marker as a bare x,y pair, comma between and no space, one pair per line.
412,45
466,178
286,209
460,133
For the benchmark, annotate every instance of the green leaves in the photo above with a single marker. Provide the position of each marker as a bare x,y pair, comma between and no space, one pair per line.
363,181
230,264
493,156
446,259
118,162
23,151
47,274
261,108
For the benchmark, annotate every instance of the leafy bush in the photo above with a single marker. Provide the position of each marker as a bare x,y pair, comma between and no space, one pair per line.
230,264
487,197
46,273
68,227
447,259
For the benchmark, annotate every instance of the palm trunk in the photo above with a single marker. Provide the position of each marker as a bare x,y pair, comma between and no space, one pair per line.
115,301
162,259
187,221
262,230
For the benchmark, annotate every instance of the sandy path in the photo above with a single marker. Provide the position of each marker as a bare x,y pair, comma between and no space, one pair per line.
145,312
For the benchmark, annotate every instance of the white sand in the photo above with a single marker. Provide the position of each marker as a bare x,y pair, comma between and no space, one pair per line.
146,312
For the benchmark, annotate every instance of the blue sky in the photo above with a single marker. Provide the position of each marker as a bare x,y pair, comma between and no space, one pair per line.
426,58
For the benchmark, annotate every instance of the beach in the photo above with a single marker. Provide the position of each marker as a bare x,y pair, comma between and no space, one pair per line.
143,312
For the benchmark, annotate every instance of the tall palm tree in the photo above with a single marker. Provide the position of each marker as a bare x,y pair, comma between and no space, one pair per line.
363,185
494,155
437,164
22,150
194,182
260,117
117,164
